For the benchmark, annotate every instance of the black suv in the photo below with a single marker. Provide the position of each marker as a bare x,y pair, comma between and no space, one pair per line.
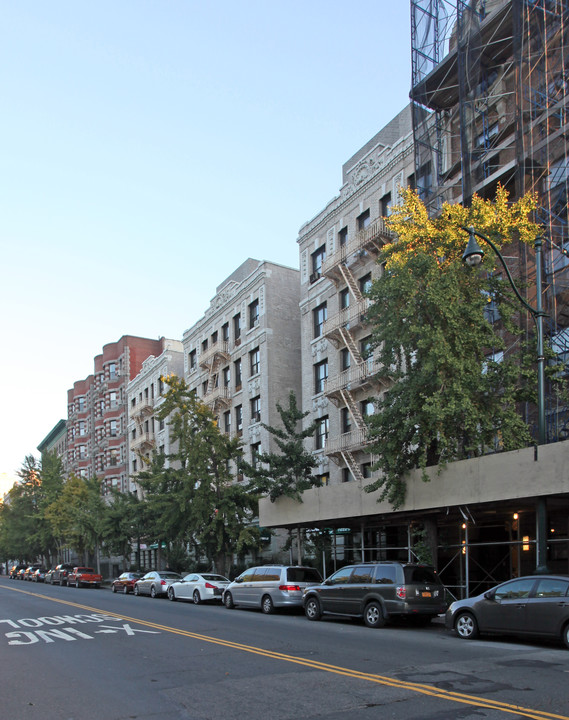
377,592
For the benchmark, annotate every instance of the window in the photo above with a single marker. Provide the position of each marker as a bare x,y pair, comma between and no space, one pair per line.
146,394
239,419
343,235
225,332
322,430
255,361
227,422
345,359
204,346
192,360
237,328
161,425
238,378
318,258
82,451
226,372
385,203
344,298
113,400
133,435
256,409
254,314
324,478
320,376
114,457
345,420
365,284
160,386
112,371
346,475
82,428
366,470
214,337
363,220
113,429
319,315
365,347
367,407
204,388
81,404
134,465
255,451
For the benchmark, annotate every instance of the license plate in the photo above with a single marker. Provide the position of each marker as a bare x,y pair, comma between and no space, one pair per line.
425,594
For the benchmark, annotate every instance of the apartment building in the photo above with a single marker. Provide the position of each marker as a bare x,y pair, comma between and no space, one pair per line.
338,262
97,443
55,441
145,393
243,355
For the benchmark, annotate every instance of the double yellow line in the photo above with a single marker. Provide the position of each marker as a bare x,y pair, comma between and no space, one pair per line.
428,690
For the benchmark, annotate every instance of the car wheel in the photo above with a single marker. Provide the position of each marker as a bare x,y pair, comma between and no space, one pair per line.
228,601
136,591
267,605
125,589
114,588
312,609
153,592
565,635
171,595
373,615
466,626
196,597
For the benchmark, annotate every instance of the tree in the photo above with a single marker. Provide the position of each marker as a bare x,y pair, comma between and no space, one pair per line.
449,399
123,523
203,504
289,472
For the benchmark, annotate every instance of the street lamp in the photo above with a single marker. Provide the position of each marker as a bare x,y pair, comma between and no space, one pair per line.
473,256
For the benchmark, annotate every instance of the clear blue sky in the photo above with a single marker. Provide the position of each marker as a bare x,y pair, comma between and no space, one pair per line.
148,148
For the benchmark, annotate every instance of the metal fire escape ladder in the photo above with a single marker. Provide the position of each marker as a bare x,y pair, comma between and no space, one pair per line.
353,408
350,343
351,282
350,461
213,378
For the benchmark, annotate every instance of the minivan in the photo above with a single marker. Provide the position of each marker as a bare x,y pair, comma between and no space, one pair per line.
270,586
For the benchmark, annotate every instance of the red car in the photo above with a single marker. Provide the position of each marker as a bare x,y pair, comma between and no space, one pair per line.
125,582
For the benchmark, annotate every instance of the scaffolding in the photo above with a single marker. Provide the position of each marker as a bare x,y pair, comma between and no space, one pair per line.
489,97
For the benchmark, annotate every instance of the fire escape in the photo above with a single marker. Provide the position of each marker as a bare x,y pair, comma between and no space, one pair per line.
217,396
360,374
144,441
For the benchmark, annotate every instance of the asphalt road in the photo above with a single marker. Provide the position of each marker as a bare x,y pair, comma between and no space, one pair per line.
78,654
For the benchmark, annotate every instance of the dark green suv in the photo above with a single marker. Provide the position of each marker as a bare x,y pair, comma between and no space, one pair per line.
377,592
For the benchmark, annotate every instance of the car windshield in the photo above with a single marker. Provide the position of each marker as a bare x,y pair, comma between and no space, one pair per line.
420,575
170,575
215,578
307,575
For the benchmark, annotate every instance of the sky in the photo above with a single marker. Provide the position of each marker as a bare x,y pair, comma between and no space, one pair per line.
147,148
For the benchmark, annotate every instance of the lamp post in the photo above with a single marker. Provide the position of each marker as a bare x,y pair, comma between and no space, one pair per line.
473,256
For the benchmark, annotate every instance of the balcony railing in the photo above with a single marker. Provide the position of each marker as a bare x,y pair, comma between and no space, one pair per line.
218,348
218,394
351,378
351,317
144,440
354,440
141,409
376,234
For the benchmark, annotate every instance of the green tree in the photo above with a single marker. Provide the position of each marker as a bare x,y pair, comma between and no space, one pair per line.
196,498
123,525
288,472
447,400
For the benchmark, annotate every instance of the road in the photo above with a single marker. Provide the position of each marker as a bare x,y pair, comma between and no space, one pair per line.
78,654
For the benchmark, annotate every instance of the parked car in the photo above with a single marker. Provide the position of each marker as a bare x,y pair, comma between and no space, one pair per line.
198,588
14,570
125,582
84,576
39,575
21,572
535,606
270,586
59,575
29,571
155,583
377,592
47,578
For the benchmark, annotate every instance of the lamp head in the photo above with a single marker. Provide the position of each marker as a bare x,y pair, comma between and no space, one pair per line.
473,254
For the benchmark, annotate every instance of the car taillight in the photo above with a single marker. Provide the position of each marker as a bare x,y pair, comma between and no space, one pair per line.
210,586
401,593
163,582
290,588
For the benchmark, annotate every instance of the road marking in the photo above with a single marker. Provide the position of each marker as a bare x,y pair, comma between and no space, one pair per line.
428,690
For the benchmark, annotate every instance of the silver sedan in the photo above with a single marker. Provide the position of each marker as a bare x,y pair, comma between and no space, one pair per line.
198,587
155,583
